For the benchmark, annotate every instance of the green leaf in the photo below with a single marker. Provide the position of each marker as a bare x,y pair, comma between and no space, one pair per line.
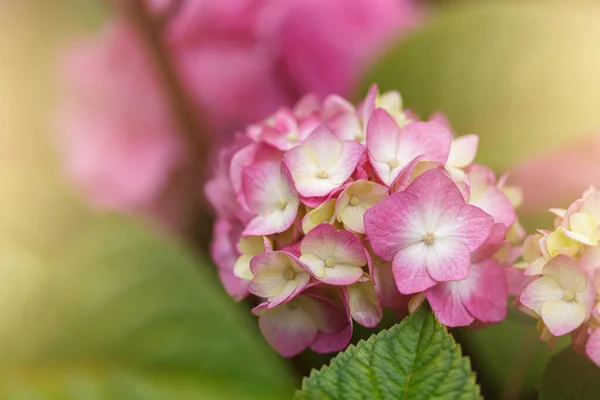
416,359
570,375
126,314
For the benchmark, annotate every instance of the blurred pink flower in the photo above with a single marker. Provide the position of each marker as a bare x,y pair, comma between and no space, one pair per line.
325,45
570,169
116,134
237,61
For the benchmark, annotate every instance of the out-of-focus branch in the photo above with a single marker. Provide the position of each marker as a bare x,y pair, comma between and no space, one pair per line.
169,13
136,12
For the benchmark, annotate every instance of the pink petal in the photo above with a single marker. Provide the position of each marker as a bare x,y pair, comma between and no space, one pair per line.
562,317
326,242
467,225
494,202
332,342
383,135
322,153
333,321
592,348
388,224
289,328
383,278
410,270
403,179
516,280
445,300
248,156
367,106
266,189
463,150
391,149
491,245
435,190
364,304
590,260
486,296
447,260
340,116
441,119
223,251
539,292
269,282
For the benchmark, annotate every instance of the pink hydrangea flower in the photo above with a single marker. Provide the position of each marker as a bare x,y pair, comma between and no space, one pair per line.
278,276
392,149
322,163
270,197
333,257
322,240
428,232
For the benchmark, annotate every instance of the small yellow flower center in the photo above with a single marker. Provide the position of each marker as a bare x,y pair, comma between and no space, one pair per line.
289,275
393,163
359,136
282,204
568,295
322,174
330,262
429,238
354,201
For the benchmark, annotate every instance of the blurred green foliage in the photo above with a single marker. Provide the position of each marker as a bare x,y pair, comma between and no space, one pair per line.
124,314
570,376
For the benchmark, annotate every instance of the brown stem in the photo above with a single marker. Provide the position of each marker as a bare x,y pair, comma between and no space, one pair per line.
136,12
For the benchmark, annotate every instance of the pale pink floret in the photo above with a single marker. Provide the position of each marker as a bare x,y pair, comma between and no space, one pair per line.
486,195
283,130
270,197
582,219
310,320
341,117
224,253
355,200
563,296
462,153
428,232
246,156
278,276
332,256
322,163
392,148
482,296
592,347
383,278
364,303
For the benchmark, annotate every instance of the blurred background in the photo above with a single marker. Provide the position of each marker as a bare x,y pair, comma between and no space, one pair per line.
110,114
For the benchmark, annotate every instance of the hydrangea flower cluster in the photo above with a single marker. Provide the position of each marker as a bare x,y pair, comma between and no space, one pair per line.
329,212
563,267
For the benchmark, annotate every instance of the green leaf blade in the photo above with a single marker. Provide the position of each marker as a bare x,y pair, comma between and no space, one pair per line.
416,359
